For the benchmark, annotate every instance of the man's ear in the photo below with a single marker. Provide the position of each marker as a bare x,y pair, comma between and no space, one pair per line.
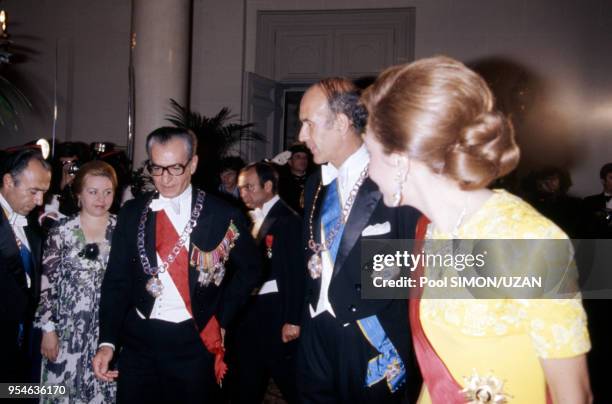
342,123
7,181
194,164
268,186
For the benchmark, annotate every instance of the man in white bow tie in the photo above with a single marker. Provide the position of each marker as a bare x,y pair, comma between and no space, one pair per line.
25,179
265,337
351,349
178,273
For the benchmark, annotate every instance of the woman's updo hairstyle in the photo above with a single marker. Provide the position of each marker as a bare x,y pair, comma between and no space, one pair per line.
441,113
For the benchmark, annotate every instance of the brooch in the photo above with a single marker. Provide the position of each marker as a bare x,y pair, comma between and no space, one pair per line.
90,251
211,264
269,242
484,390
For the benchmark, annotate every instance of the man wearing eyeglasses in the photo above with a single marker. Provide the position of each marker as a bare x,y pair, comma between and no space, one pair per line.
178,273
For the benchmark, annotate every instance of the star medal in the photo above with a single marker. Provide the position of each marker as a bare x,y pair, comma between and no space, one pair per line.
155,287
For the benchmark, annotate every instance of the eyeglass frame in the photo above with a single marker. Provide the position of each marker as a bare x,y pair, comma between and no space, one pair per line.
150,164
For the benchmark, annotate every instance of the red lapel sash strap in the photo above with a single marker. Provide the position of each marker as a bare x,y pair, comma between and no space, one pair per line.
440,383
165,239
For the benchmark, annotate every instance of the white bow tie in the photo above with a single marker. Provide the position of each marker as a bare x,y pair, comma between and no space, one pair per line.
257,215
166,203
18,220
328,173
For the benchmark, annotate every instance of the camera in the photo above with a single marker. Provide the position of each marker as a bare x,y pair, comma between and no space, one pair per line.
72,167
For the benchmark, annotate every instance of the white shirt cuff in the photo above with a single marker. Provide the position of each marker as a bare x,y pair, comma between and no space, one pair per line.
49,326
112,346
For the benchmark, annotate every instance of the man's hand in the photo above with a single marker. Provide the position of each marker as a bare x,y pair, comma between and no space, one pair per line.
222,330
100,364
290,332
49,347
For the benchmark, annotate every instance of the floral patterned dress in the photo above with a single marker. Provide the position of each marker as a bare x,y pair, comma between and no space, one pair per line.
70,298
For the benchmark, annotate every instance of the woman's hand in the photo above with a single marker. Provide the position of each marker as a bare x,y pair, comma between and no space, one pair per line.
568,380
49,347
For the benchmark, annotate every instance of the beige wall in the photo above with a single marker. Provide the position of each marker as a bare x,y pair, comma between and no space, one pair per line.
93,39
561,45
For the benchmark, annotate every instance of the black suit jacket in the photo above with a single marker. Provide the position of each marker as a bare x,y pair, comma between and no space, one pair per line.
17,301
284,225
123,287
345,288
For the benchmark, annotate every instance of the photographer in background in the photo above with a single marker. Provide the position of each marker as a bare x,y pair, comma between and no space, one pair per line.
62,202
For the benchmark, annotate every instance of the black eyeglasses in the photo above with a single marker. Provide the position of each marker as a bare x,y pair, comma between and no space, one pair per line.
174,169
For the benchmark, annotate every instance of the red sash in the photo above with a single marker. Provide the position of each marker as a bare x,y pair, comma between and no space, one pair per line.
442,386
165,239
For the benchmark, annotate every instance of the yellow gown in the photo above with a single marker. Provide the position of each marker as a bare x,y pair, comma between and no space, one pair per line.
504,338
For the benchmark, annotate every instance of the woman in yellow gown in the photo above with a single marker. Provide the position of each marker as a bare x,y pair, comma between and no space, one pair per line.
436,143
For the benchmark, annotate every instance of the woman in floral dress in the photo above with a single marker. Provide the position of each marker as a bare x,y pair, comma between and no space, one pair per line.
74,261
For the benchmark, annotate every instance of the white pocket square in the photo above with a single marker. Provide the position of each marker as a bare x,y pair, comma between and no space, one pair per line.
376,229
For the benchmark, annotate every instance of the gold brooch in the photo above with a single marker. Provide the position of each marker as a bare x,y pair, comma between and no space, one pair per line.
484,390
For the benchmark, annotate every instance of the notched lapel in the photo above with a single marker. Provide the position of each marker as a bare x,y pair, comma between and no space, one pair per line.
365,203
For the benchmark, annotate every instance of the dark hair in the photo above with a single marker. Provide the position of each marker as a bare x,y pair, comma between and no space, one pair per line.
441,113
343,97
299,148
16,162
605,170
265,172
164,134
95,168
233,163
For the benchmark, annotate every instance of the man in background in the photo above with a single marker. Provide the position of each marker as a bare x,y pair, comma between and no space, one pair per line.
25,179
265,343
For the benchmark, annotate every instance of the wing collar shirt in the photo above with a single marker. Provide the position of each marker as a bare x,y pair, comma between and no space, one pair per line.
258,215
347,176
169,306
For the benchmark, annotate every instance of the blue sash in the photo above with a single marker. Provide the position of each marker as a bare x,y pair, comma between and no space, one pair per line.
388,364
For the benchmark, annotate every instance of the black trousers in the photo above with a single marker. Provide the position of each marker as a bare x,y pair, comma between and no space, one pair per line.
332,365
258,354
163,362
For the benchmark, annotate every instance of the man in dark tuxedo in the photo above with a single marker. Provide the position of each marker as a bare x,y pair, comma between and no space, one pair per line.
343,334
265,338
25,179
178,272
599,207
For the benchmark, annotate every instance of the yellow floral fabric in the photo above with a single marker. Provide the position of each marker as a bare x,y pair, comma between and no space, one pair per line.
504,338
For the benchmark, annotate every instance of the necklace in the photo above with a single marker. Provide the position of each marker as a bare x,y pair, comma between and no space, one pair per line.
154,285
315,263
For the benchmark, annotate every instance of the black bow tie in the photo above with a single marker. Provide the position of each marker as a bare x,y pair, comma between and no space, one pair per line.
608,197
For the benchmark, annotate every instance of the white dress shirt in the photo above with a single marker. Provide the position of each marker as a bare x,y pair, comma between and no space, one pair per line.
169,306
609,203
258,215
347,176
17,222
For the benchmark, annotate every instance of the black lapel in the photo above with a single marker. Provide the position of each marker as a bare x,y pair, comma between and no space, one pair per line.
365,202
269,221
150,239
198,237
9,251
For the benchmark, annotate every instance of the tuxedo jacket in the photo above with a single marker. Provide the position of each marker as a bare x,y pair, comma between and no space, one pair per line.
595,202
123,287
17,301
281,232
345,287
